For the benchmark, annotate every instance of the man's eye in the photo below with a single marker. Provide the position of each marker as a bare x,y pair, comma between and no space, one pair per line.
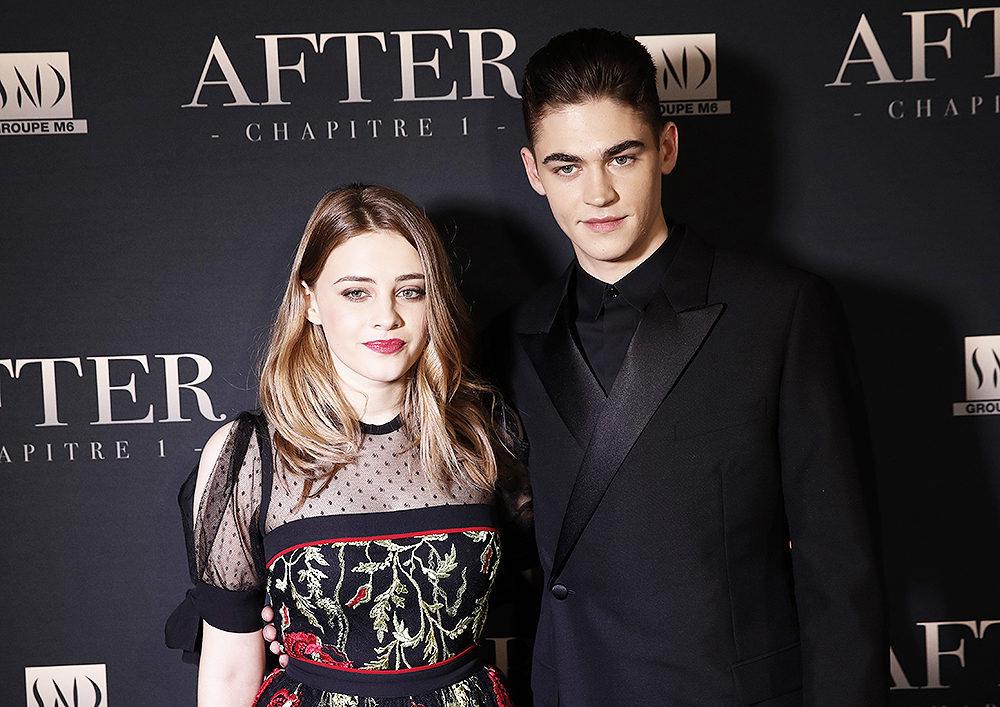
621,160
566,169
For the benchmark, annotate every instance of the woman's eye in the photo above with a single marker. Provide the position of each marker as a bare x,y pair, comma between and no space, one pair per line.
412,292
355,294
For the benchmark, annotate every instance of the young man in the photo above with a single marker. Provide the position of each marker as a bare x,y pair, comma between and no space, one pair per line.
697,446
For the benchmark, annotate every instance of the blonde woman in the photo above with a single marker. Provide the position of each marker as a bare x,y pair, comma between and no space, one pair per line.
360,499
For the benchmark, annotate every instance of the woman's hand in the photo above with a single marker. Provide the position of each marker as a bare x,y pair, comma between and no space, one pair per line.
270,634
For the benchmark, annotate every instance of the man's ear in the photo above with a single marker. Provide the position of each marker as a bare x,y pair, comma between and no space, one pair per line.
531,169
668,148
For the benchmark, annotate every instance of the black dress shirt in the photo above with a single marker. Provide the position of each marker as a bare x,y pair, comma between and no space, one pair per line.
607,315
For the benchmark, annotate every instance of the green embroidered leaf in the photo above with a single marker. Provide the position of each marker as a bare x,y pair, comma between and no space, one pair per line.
311,576
314,553
331,607
369,567
431,651
335,699
459,595
380,613
402,634
306,610
382,661
445,566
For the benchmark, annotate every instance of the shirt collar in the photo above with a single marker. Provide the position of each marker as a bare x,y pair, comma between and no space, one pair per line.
637,288
589,294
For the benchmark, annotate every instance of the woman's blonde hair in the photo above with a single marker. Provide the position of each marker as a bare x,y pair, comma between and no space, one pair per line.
317,432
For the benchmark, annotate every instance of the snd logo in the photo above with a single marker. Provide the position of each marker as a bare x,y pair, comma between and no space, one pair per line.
67,686
35,86
982,377
36,94
686,68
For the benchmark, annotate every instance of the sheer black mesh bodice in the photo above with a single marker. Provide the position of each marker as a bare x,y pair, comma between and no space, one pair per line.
387,477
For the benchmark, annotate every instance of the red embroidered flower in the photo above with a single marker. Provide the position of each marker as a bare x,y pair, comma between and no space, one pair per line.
503,699
308,647
284,698
267,681
361,597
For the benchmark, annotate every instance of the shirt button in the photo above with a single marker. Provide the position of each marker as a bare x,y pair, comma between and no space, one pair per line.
612,292
559,591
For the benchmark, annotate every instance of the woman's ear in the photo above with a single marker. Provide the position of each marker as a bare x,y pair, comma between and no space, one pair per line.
312,313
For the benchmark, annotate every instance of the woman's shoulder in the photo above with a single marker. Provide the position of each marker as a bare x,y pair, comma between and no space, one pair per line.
210,454
243,425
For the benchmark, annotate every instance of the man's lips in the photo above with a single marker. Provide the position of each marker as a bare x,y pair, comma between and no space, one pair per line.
385,346
604,224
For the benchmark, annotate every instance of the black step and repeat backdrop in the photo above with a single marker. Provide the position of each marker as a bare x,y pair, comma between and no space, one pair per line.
158,162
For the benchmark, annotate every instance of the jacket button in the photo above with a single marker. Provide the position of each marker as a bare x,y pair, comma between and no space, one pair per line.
559,591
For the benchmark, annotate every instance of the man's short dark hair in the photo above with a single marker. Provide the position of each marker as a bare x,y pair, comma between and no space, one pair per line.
586,65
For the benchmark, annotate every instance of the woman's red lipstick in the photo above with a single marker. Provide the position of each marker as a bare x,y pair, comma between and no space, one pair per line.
385,346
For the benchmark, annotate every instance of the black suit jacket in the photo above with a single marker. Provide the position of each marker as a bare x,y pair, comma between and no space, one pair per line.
704,529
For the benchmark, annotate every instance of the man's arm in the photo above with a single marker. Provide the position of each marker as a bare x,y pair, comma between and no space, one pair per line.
828,481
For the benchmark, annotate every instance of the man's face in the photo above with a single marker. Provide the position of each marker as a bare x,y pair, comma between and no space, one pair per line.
600,164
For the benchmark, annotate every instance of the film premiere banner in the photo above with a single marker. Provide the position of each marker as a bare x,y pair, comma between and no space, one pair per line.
158,182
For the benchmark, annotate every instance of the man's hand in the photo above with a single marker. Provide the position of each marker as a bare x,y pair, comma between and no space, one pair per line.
271,635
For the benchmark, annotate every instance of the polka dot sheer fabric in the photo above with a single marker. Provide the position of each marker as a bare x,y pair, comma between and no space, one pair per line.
388,476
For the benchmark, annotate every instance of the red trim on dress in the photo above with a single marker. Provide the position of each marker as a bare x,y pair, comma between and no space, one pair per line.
338,541
389,672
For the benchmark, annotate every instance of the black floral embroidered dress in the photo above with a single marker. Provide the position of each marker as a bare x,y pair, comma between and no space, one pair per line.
379,582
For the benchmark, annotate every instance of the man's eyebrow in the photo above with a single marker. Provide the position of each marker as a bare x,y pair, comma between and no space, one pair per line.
622,147
561,157
607,154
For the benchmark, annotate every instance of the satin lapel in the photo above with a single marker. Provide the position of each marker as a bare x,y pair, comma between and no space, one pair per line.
567,378
661,349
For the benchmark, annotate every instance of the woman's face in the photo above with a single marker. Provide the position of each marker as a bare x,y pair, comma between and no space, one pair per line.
371,301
